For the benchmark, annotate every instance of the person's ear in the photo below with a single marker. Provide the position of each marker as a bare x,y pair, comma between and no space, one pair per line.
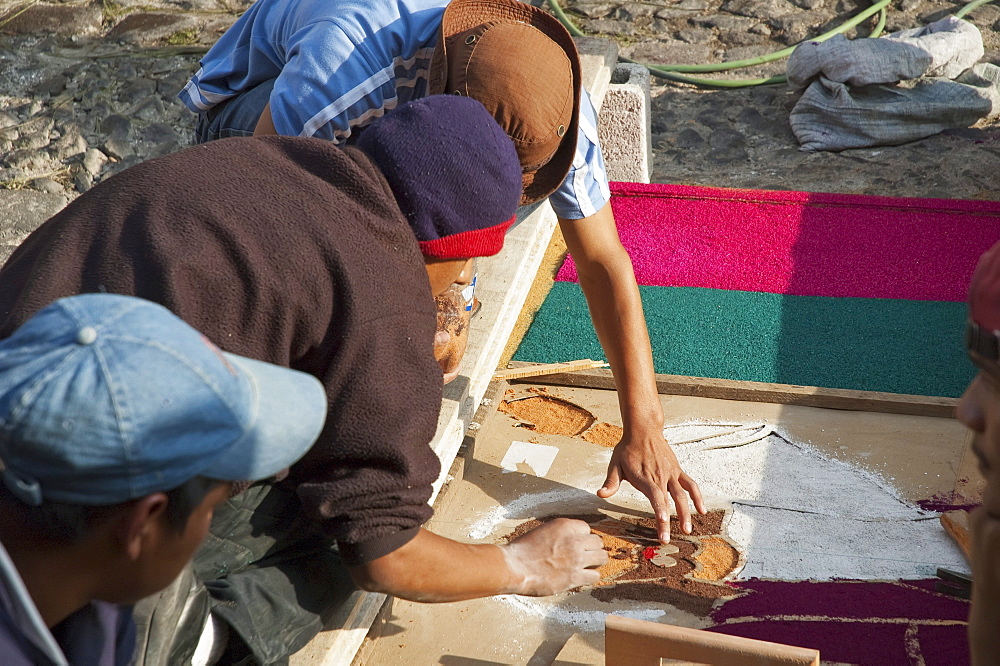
142,521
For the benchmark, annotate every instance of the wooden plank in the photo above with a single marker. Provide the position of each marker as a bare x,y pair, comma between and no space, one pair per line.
630,642
598,58
578,652
548,369
783,394
353,619
484,415
956,524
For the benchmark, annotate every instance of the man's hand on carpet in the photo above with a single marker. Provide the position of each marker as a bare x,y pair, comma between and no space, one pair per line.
555,557
649,464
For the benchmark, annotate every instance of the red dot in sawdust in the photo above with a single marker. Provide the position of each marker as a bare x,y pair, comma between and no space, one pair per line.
649,553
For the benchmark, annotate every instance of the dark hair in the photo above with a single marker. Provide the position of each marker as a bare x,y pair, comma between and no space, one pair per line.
63,524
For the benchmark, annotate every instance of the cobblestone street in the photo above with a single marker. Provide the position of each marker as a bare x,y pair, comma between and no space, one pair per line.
89,88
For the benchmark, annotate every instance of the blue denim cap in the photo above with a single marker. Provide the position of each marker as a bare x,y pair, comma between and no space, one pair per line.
107,398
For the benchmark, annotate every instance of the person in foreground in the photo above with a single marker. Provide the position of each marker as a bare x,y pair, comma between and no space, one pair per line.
121,429
328,69
979,409
327,260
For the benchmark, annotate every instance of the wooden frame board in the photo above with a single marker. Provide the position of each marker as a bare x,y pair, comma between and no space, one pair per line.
785,394
629,642
919,453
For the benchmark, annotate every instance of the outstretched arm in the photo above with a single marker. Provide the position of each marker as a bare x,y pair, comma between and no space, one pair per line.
643,457
558,556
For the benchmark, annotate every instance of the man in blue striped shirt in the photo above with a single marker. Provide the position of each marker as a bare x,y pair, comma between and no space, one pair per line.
327,68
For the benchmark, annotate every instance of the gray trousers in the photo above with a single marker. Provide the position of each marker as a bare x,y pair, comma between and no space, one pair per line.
265,569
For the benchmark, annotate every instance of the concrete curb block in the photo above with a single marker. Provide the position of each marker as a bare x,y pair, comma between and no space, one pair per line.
623,125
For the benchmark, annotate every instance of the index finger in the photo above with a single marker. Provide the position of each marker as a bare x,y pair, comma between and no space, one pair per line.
694,491
679,496
661,509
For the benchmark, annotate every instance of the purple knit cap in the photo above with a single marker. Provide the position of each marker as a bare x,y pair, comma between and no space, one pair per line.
453,170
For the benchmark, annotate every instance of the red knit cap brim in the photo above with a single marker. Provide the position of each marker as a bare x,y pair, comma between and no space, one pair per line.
467,244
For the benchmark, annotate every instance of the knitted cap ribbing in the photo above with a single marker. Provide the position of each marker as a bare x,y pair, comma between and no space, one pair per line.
453,170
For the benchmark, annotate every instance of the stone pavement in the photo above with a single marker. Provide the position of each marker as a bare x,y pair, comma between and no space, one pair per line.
88,88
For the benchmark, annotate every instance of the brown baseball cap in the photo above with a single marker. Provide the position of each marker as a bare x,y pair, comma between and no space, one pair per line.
522,65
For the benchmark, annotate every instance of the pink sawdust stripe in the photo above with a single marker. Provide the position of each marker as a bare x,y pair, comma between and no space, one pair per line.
800,243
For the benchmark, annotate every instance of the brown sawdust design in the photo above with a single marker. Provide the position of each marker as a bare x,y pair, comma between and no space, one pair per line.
553,415
630,576
550,415
604,434
718,558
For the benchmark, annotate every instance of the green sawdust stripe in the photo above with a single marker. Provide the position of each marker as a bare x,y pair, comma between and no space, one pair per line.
866,344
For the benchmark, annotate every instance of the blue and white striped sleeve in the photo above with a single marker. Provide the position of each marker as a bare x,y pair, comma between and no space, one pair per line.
199,96
329,87
585,189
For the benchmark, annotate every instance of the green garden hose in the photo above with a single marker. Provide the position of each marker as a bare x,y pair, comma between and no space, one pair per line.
677,72
969,7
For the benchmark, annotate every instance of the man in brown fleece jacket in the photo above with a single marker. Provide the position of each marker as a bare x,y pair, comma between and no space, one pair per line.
326,260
